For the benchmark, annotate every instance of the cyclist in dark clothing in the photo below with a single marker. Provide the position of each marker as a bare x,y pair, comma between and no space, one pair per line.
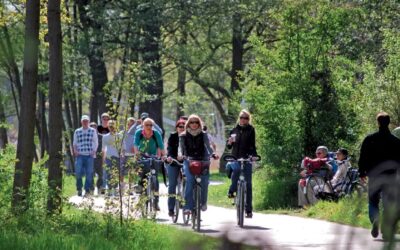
173,169
379,159
242,141
194,145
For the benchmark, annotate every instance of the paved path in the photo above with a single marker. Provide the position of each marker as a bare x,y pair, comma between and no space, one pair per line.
269,231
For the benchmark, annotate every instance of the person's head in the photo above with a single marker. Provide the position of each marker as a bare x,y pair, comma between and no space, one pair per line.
93,125
111,125
244,118
105,117
383,119
180,126
194,122
205,127
148,124
130,121
321,152
144,115
85,121
342,154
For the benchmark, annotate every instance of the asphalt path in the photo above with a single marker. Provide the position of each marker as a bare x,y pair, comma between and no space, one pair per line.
267,231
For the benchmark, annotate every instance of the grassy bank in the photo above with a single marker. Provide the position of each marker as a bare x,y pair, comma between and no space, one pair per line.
87,230
349,211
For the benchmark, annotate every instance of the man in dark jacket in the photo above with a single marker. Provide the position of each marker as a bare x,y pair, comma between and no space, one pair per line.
379,160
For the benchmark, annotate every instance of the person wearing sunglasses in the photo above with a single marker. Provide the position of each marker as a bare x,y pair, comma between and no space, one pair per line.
149,142
194,145
242,141
173,168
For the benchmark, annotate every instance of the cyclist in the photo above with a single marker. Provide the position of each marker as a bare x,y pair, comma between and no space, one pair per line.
194,144
242,141
149,142
173,169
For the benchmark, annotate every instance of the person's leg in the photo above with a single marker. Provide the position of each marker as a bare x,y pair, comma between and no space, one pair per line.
88,173
249,186
189,186
78,174
157,167
204,191
108,169
374,196
234,177
173,172
98,169
302,201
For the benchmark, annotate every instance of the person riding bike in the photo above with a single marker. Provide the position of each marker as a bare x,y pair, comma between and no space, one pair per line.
194,144
172,168
242,141
149,142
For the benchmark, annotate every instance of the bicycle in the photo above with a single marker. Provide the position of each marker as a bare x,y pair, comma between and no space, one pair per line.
197,169
180,189
319,187
149,210
241,193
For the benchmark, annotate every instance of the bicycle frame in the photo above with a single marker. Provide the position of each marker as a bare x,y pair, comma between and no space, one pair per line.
241,193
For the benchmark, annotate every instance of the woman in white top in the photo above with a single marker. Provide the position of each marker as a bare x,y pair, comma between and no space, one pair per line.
343,165
111,155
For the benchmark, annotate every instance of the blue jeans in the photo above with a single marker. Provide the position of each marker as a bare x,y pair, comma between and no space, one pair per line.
190,182
112,171
247,170
84,167
173,173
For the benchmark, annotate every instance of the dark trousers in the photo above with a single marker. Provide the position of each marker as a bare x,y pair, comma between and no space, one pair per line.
98,169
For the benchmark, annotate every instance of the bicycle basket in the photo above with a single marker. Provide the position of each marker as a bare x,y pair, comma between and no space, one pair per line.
199,167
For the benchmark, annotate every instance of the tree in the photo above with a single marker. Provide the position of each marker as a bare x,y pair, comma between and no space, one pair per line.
55,107
23,167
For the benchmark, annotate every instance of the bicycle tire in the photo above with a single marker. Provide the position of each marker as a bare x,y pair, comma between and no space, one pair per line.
357,189
198,208
240,203
314,187
186,217
194,215
177,202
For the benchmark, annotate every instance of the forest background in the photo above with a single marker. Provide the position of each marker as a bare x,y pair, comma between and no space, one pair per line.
311,73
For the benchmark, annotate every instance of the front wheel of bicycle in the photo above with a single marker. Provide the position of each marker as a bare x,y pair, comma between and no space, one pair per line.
186,217
315,187
240,196
177,202
198,208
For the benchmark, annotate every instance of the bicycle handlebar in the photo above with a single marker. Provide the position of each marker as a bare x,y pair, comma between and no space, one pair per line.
248,159
174,160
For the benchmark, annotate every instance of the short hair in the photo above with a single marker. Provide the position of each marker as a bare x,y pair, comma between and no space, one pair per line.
148,120
323,149
383,119
93,124
130,119
105,115
344,152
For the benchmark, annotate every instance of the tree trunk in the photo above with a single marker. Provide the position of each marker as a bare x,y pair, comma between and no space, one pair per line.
237,52
42,125
3,130
55,108
151,58
98,102
23,167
